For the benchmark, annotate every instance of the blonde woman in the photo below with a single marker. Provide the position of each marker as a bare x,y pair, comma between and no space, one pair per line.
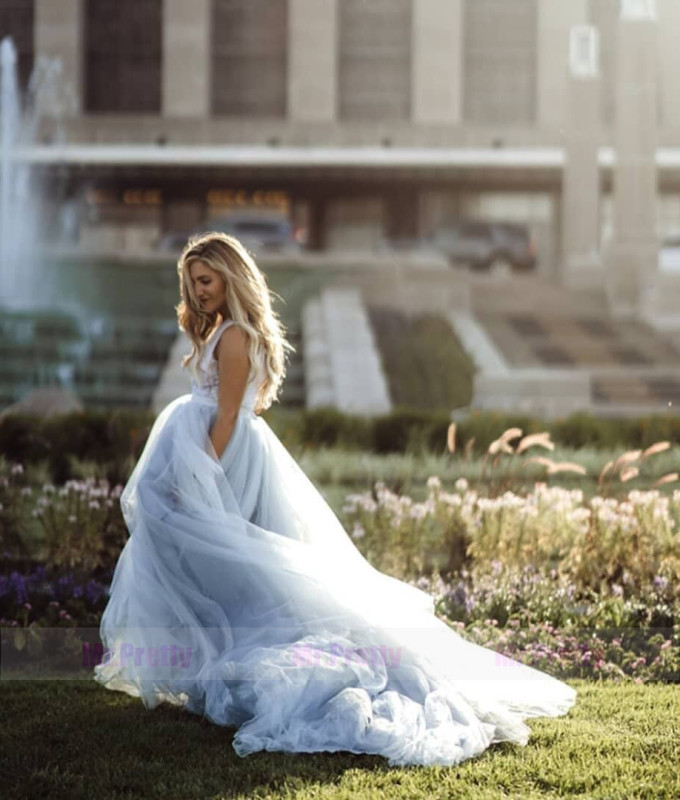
240,597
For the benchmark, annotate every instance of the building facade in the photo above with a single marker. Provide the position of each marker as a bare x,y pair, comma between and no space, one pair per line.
367,120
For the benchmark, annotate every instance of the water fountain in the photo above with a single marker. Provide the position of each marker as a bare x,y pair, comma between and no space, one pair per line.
100,331
24,282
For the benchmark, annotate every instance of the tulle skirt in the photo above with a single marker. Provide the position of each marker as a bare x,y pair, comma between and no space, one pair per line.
240,597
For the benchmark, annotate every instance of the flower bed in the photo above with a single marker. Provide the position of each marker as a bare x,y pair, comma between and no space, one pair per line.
595,543
578,586
549,623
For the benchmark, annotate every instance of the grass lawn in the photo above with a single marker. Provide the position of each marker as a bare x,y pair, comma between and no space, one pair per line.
75,739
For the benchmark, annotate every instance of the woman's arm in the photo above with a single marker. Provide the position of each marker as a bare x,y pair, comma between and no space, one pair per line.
233,370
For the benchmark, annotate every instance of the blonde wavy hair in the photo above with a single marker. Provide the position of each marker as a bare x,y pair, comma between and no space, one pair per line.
248,301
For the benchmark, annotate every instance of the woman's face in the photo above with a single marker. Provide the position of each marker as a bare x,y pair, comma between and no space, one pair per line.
209,287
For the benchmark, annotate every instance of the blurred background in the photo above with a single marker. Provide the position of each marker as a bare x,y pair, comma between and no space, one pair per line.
383,159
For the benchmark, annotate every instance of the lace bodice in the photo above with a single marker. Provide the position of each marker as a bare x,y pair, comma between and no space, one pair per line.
205,388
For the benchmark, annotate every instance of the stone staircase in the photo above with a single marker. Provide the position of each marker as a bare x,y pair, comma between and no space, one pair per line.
553,350
342,365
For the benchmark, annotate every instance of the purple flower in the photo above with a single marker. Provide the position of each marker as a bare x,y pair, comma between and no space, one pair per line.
94,590
457,595
18,583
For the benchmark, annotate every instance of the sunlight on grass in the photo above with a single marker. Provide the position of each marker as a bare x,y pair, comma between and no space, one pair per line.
75,739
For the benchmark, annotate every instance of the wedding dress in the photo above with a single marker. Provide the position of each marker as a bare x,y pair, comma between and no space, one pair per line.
239,596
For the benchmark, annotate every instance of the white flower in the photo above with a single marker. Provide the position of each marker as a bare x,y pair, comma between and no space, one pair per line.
461,485
433,483
358,531
367,503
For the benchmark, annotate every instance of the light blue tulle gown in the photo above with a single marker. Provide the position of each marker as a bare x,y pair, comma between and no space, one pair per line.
239,595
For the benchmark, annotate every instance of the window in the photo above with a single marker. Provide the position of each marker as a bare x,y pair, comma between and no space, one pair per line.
123,56
249,57
375,59
500,53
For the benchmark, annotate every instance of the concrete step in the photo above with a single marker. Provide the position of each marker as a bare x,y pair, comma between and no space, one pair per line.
342,364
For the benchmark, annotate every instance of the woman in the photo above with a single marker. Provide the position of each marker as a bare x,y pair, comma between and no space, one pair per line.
239,595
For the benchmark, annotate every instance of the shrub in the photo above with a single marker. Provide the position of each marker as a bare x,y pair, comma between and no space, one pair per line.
331,428
114,440
107,438
408,430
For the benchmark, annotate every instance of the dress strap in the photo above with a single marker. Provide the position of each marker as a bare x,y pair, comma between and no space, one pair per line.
215,337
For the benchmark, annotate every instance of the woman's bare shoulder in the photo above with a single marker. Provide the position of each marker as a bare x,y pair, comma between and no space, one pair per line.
233,341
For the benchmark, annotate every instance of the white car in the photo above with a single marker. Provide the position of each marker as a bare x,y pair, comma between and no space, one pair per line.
669,255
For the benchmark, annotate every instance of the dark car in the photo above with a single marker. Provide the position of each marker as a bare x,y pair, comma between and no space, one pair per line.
498,247
259,232
172,240
256,231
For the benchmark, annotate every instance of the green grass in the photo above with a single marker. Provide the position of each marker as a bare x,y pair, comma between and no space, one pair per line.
425,364
337,472
75,739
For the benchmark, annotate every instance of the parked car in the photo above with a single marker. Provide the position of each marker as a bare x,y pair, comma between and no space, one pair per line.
669,255
172,240
498,247
259,231
255,230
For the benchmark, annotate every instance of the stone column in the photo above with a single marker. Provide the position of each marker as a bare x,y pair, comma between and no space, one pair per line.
669,55
555,21
581,264
631,259
312,60
58,33
437,71
186,58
